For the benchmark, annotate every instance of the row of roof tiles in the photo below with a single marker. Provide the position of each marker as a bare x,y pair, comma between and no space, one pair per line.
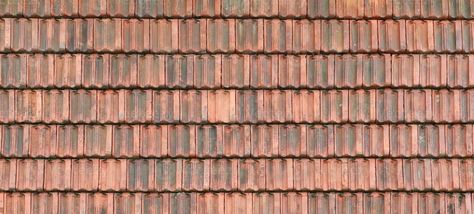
232,106
230,203
230,35
237,174
241,8
220,141
236,71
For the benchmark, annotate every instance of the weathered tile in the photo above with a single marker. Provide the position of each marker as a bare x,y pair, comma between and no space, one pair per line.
248,105
43,142
155,203
205,8
458,139
30,174
378,8
196,175
126,141
13,70
70,141
151,71
55,106
235,8
456,71
192,35
127,202
11,8
235,71
335,36
223,174
392,35
165,106
44,202
95,70
64,7
418,105
15,140
248,35
178,8
179,71
447,36
92,7
420,35
153,141
221,35
108,106
107,35
389,174
67,70
182,140
140,175
321,8
363,36
297,8
17,202
85,174
193,106
5,34
98,140
445,174
238,203
164,35
28,105
209,141
264,140
279,174
37,8
334,106
26,31
123,70
51,35
135,105
278,35
113,175
292,140
57,175
168,174
292,202
99,202
136,35
277,106
212,203
8,174
263,71
263,8
362,105
120,8
306,106
320,141
306,36
149,9
207,71
266,202
292,71
221,106
320,71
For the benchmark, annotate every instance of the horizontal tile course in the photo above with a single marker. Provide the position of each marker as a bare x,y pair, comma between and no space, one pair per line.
218,141
111,35
238,106
429,9
164,175
215,71
296,202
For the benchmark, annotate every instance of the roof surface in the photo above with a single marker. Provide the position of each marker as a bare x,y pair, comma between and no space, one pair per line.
236,106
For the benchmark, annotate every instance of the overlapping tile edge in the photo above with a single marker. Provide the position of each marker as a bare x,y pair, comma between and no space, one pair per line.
236,106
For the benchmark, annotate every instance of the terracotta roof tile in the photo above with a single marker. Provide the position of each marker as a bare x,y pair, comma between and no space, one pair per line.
245,106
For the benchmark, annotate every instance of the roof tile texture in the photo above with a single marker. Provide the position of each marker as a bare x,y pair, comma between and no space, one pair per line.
236,106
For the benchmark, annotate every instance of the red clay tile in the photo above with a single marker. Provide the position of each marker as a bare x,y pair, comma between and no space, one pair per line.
140,174
27,34
420,36
320,141
165,106
263,71
248,105
178,8
207,71
335,36
44,202
57,175
235,8
182,141
113,175
153,141
196,175
105,99
209,141
126,141
92,7
278,35
155,203
392,35
136,35
263,8
297,8
193,106
279,174
223,174
43,142
212,203
30,174
151,71
64,8
127,202
207,8
363,36
120,8
192,35
306,34
266,202
235,71
179,71
98,140
5,39
220,35
107,34
85,174
149,9
164,35
221,106
8,174
12,8
28,105
51,35
95,70
292,71
123,70
168,174
248,35
447,36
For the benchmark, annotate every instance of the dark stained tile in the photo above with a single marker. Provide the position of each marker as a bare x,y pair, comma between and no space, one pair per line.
151,71
192,35
168,174
108,34
306,36
207,71
178,8
335,36
140,175
235,71
92,7
30,174
207,8
196,175
224,174
120,8
278,35
95,70
64,7
264,8
136,35
164,35
235,8
182,141
98,140
363,36
297,8
392,35
149,9
221,35
248,35
85,174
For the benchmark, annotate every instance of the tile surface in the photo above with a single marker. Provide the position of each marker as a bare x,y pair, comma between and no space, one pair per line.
236,106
